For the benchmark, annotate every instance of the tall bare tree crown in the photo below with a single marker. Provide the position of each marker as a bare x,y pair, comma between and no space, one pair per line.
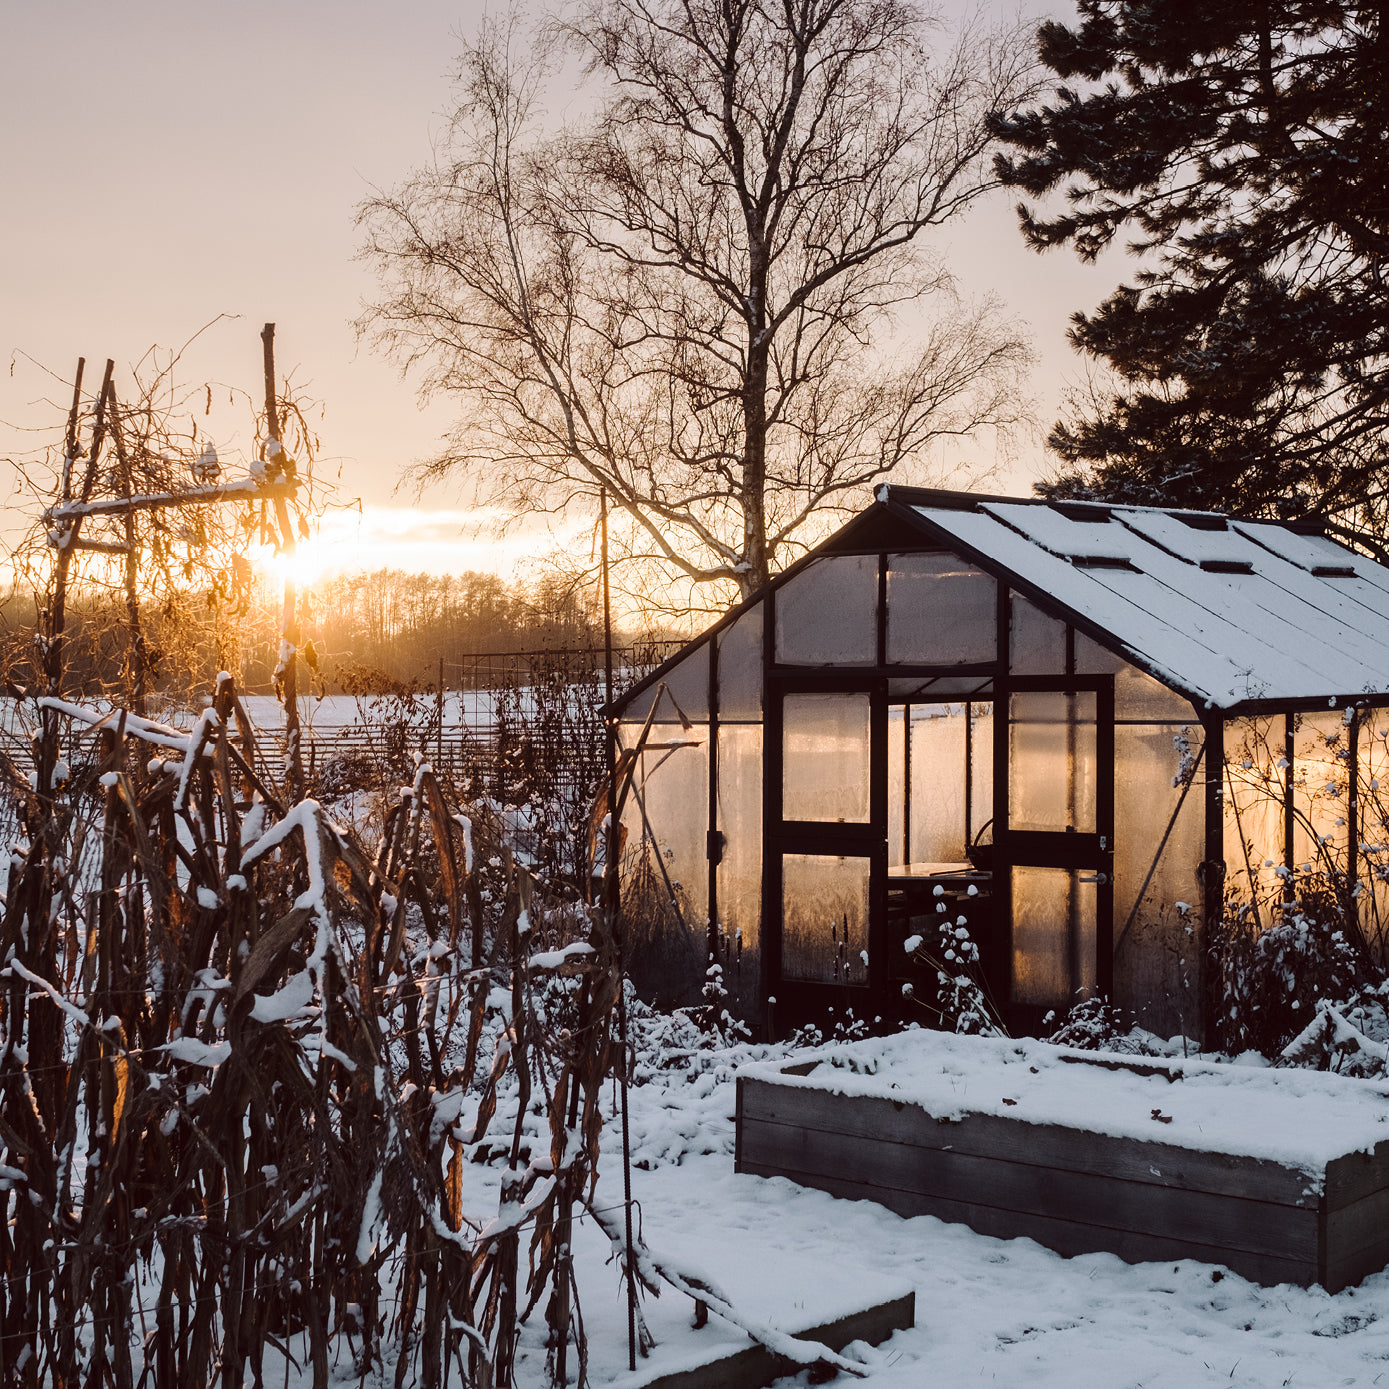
678,298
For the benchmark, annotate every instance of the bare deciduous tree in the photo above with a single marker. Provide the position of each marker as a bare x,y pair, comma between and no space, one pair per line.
676,299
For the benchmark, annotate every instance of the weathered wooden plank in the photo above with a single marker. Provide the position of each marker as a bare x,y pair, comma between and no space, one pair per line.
1354,1176
1082,1198
751,1367
1343,1270
1358,1226
1044,1145
1066,1237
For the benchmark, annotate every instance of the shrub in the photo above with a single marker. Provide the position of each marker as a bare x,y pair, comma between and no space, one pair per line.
1273,963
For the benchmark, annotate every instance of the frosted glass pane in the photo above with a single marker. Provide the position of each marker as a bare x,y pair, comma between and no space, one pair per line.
1321,790
688,685
1137,696
673,790
1373,758
1053,763
1037,641
827,614
940,611
825,757
940,687
938,783
1053,937
824,918
1253,806
687,682
897,817
740,823
740,667
637,708
981,795
740,868
1157,947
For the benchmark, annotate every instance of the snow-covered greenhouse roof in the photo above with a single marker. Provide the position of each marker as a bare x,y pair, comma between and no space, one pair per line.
1237,615
1230,612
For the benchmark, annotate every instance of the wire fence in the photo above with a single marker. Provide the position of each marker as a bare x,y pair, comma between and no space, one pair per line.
511,725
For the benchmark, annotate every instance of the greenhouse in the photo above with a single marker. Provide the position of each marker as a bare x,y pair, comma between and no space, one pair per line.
1083,743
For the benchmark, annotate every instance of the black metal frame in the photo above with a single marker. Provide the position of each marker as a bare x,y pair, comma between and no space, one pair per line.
1075,851
802,1000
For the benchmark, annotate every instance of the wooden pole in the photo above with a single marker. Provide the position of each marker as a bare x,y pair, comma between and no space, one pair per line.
278,463
69,533
132,561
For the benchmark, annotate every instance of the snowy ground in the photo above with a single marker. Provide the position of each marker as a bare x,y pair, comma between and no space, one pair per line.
989,1311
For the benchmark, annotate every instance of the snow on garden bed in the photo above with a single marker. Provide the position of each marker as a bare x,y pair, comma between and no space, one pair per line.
1296,1118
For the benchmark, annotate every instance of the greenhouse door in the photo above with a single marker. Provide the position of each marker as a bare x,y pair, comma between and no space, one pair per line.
1057,849
825,868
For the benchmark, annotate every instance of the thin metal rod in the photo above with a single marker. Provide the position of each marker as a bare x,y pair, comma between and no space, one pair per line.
610,895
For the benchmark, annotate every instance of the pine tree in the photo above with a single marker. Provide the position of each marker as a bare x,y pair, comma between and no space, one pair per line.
1244,149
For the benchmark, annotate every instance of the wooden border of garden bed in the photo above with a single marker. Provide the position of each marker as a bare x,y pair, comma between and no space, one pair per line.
1074,1191
752,1366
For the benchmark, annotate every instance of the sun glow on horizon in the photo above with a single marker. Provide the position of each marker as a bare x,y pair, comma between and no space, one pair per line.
305,565
418,539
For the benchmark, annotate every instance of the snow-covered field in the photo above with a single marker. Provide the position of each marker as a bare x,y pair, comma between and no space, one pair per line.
989,1311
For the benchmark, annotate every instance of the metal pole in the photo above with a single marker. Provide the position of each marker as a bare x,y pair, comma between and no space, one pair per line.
611,902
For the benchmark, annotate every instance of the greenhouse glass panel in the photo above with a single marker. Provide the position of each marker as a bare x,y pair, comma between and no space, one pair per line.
928,688
827,614
940,611
1053,937
740,823
824,918
898,812
938,783
1159,841
1321,792
825,757
687,683
1373,762
1037,641
740,667
1138,697
981,788
666,815
1053,761
1255,770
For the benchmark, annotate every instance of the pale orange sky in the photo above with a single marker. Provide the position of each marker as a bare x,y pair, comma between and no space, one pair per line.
163,163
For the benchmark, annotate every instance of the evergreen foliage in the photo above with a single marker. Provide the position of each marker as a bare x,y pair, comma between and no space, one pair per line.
1245,149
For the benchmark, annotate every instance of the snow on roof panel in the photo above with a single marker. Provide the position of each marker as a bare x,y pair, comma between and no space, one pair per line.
1310,552
1061,534
1196,544
1358,609
1268,633
1179,658
1275,629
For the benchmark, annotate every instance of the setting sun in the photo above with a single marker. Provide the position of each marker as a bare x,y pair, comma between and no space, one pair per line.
310,561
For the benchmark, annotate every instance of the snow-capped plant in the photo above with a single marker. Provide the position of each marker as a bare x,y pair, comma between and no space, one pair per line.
961,1003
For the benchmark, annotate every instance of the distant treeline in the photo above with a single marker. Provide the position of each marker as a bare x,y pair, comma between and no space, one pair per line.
361,633
403,624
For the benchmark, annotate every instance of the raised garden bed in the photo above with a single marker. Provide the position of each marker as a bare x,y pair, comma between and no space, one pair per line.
1282,1176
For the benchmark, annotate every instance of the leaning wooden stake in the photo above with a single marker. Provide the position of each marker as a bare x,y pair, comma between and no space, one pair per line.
279,463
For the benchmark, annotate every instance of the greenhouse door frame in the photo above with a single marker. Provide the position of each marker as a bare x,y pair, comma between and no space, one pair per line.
795,1001
1089,855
